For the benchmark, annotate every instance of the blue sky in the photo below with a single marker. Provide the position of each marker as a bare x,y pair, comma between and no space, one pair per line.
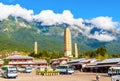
102,14
86,9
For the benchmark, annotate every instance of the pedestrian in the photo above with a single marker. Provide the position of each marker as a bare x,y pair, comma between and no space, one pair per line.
97,77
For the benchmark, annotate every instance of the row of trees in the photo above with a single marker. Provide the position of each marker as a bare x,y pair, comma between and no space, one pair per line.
46,55
100,53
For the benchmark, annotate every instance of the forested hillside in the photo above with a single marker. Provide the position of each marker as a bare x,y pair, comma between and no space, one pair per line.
17,34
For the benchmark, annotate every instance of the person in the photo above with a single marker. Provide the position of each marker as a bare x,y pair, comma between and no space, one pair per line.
97,77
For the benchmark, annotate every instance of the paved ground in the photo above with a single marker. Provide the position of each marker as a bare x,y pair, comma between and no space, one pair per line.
78,76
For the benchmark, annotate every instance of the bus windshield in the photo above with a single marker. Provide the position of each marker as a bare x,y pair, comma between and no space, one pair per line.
12,71
28,68
65,67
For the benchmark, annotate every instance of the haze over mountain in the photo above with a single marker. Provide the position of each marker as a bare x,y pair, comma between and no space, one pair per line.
19,28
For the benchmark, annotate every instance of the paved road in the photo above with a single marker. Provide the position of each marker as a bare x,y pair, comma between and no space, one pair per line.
78,76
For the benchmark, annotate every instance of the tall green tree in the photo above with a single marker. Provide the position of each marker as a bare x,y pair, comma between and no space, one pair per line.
6,62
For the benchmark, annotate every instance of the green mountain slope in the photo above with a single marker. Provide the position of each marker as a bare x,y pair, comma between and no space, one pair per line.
18,34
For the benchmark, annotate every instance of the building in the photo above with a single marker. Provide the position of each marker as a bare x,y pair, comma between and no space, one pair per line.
76,50
59,61
67,43
81,63
41,62
35,48
103,66
18,60
1,62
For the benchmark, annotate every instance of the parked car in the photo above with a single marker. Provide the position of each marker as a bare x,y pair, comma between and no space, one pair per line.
41,68
25,69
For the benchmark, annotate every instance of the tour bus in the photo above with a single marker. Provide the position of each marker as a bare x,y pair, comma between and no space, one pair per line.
114,71
65,69
9,71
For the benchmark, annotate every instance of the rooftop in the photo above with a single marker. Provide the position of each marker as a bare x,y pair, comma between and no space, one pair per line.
16,55
112,60
76,60
41,61
19,57
81,60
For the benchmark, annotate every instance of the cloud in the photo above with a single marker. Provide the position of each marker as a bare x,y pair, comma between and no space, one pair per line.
77,25
103,37
105,23
16,11
48,17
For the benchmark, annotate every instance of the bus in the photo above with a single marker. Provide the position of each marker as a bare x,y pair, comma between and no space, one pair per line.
65,69
9,71
114,71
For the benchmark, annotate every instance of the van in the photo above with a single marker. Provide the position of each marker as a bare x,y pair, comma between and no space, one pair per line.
28,69
25,69
65,69
9,71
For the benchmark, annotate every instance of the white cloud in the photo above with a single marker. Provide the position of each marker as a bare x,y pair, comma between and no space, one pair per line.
104,37
105,23
48,17
15,10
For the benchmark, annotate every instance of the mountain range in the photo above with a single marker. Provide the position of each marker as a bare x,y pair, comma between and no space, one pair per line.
18,34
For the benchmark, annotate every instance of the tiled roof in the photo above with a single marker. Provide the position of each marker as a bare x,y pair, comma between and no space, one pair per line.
81,60
86,60
41,61
94,63
76,60
112,60
19,57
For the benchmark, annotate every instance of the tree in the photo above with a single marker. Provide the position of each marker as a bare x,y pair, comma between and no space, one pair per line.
6,62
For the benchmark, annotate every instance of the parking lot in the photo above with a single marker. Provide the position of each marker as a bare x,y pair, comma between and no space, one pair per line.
77,76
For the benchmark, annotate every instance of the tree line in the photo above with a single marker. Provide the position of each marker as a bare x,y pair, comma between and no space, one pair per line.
100,53
44,54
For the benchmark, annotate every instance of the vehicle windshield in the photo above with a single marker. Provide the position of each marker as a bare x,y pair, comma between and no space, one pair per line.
116,71
65,67
12,71
71,67
62,67
28,68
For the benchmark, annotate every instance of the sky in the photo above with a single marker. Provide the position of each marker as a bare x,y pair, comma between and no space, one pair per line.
103,14
86,9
